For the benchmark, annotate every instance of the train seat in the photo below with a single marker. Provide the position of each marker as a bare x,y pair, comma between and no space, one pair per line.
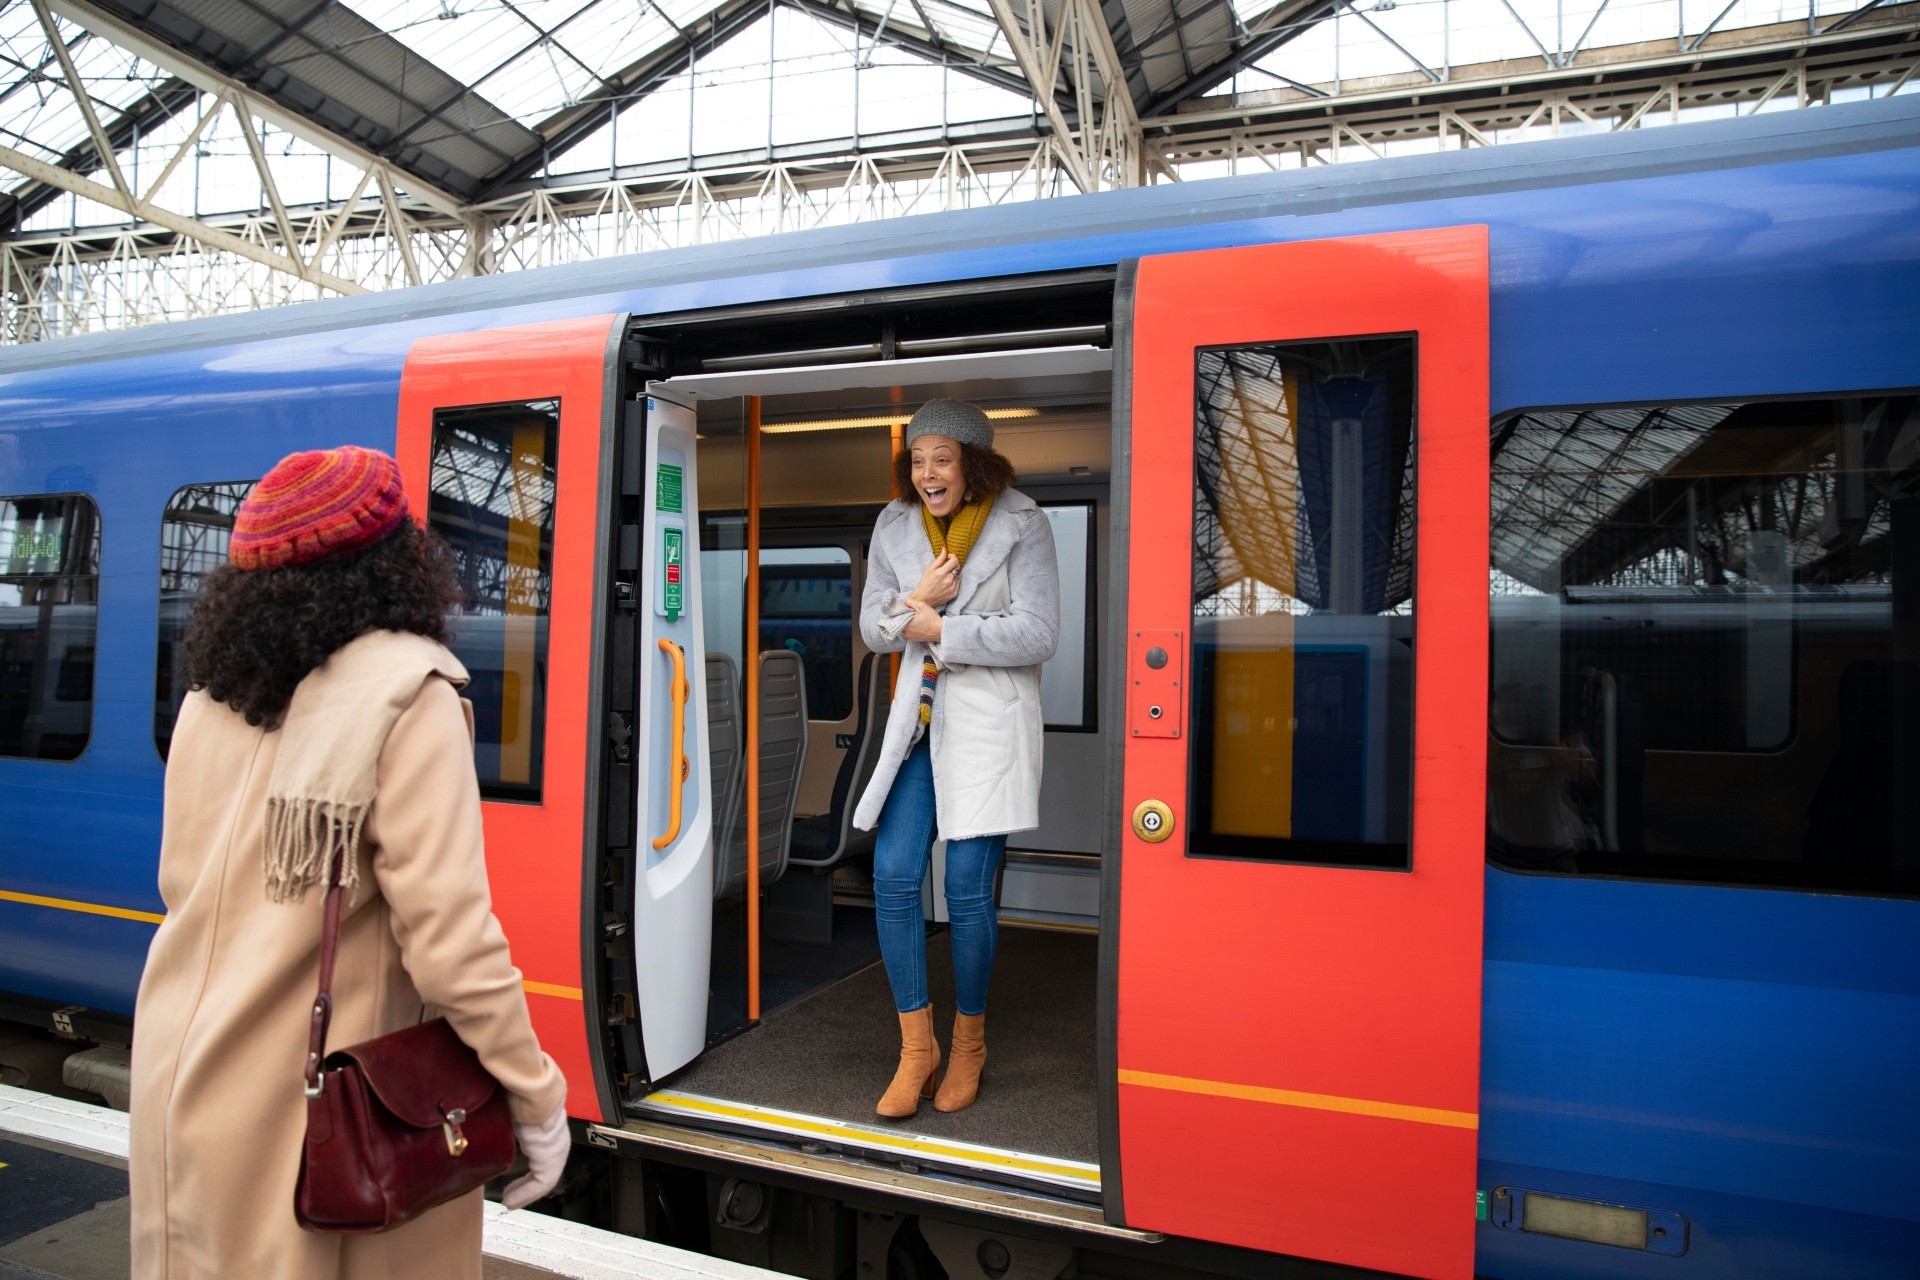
724,735
783,750
827,839
801,908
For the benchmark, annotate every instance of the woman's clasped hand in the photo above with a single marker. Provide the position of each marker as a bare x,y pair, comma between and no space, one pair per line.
940,583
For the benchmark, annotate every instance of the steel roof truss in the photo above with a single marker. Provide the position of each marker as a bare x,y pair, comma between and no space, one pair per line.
108,156
207,79
1105,149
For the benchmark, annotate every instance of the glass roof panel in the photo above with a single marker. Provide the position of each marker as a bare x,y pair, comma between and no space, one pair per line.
38,115
967,23
532,58
811,89
1463,32
466,38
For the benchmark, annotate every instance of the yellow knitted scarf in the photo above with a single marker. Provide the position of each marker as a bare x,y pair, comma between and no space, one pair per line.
955,534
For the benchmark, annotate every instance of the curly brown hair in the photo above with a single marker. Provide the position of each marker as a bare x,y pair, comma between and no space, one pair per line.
255,634
987,473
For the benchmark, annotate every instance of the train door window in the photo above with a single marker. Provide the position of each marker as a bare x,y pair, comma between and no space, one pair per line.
806,605
49,605
1706,642
1302,687
195,529
492,500
1066,681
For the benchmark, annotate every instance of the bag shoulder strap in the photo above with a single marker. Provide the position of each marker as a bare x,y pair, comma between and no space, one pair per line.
323,1001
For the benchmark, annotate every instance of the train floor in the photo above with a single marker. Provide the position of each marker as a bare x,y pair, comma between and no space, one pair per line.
832,1053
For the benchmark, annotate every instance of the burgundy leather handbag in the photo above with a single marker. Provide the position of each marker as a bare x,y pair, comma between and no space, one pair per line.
395,1125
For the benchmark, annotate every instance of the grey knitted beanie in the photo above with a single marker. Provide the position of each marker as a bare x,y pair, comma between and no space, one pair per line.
955,419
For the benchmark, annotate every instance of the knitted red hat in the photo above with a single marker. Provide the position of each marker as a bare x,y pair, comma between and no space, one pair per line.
316,506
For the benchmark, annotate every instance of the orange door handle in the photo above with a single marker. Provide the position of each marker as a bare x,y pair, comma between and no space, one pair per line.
678,760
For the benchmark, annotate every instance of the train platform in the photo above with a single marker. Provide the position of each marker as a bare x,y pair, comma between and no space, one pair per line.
63,1211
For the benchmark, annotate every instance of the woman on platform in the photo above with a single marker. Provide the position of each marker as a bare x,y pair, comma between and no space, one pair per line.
325,715
962,581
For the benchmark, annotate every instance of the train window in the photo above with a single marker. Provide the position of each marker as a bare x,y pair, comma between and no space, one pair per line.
1706,642
1066,681
491,497
194,531
1302,681
806,605
49,604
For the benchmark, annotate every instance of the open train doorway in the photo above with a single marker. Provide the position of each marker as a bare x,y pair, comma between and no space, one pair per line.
801,1031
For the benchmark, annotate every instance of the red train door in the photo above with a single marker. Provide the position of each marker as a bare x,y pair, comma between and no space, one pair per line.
500,442
1297,1020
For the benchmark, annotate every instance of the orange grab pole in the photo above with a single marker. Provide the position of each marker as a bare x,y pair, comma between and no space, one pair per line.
899,443
753,708
678,762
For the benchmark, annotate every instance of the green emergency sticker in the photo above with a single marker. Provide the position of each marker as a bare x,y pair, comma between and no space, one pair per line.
1480,1206
672,588
667,488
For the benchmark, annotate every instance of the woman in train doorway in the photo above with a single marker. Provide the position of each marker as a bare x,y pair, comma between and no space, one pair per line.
962,581
325,717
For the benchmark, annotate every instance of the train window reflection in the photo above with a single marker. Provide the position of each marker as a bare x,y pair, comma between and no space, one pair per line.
49,607
195,529
1706,642
1302,686
492,498
806,605
1066,681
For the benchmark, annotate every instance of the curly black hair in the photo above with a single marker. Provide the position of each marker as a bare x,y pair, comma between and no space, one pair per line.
987,473
255,634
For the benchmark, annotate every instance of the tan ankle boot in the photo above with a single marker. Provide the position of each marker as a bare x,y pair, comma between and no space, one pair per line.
969,1057
919,1066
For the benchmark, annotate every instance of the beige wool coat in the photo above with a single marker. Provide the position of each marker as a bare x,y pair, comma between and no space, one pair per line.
218,1115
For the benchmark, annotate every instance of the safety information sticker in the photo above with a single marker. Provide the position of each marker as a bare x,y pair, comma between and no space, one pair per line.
672,589
666,488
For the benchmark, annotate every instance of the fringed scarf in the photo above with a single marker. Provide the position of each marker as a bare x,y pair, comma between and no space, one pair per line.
955,534
328,765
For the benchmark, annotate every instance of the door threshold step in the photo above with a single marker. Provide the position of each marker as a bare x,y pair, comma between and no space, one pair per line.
739,1150
1050,1173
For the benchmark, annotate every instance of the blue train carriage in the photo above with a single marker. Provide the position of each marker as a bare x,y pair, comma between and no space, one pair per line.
1376,923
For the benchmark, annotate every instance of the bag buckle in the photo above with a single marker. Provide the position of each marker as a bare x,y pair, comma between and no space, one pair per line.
316,1078
456,1140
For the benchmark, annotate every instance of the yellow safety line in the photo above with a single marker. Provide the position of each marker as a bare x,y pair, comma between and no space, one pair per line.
90,908
553,989
1295,1098
872,1139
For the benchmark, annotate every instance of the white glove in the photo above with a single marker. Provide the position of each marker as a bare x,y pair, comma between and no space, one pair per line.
546,1145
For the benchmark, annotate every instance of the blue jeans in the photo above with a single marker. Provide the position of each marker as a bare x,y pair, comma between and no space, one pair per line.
903,848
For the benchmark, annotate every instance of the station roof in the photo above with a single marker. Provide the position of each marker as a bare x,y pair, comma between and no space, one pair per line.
473,96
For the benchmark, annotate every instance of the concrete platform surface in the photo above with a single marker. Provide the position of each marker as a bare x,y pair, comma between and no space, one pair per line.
63,1211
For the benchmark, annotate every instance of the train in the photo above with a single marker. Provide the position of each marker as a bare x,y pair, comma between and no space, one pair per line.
1480,832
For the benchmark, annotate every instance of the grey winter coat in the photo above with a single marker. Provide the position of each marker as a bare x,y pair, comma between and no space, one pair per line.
987,727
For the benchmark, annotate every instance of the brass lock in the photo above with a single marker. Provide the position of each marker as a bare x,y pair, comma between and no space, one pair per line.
456,1138
1152,821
